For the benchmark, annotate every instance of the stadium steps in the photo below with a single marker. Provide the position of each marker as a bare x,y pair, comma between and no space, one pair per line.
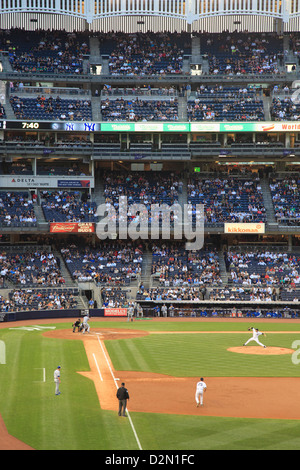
105,67
182,109
6,64
98,191
40,218
183,197
10,115
94,57
83,302
267,104
94,50
86,66
203,60
96,108
69,282
186,64
131,293
5,292
268,203
196,50
205,66
289,56
8,286
223,270
146,269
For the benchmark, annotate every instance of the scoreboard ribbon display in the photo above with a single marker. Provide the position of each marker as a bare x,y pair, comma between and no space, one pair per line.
185,127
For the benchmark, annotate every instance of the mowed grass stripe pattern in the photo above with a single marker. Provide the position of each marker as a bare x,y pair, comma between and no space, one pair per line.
210,433
32,412
198,325
191,355
74,420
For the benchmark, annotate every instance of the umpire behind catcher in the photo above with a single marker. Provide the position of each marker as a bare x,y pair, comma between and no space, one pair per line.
122,396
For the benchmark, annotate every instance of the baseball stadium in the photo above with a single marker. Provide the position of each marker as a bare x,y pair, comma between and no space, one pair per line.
149,227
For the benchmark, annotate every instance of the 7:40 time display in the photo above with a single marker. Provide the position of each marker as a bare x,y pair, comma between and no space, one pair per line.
30,125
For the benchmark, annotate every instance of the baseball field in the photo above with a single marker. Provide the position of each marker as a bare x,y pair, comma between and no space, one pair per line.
252,399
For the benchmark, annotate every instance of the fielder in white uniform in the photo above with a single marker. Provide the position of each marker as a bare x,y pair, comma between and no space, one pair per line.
130,312
57,380
85,324
200,389
255,335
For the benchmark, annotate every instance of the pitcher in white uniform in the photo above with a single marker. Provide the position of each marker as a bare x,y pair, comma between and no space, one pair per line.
255,335
200,389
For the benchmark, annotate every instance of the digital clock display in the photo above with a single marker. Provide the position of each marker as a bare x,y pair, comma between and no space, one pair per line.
30,125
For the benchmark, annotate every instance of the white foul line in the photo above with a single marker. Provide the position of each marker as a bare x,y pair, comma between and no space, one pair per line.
99,372
116,384
44,374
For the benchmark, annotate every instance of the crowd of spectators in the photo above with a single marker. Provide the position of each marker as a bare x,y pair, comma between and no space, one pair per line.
46,51
145,188
242,53
174,266
16,168
137,109
294,44
28,140
50,169
29,299
114,298
16,209
285,109
42,108
285,194
266,268
145,53
242,293
227,199
218,103
145,90
182,309
31,268
67,206
111,263
182,294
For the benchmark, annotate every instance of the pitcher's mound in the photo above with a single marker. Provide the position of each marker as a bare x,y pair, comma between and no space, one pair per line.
271,351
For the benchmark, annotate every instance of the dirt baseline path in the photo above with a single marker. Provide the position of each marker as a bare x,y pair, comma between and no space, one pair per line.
241,397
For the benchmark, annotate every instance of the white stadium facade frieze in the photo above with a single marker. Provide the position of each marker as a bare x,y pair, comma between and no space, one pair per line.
142,15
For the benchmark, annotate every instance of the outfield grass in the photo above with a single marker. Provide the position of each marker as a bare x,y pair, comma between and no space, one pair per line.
74,420
191,355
